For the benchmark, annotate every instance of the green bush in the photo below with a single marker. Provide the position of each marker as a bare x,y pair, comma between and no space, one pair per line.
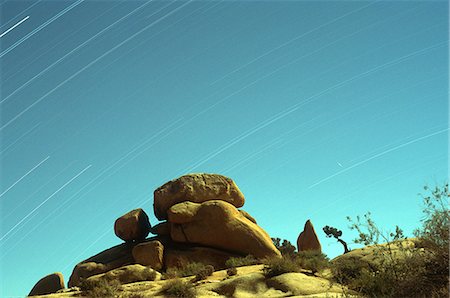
187,270
100,287
277,266
241,261
208,270
312,260
231,271
286,248
179,288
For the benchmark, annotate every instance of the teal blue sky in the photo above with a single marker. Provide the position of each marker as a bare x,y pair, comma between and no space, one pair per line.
317,110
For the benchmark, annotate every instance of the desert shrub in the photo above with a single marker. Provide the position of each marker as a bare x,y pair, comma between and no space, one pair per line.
100,287
402,268
312,260
239,261
208,270
231,271
179,288
286,248
277,266
188,270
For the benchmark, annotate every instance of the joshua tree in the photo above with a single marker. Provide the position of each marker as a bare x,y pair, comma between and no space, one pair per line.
333,232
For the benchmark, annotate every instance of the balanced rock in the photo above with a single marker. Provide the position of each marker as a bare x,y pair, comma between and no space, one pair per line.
128,274
132,226
196,188
308,240
48,284
149,254
220,225
102,262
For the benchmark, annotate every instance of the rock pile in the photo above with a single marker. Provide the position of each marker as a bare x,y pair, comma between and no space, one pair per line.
201,224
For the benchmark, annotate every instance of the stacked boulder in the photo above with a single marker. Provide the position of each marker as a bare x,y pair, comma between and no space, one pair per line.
200,223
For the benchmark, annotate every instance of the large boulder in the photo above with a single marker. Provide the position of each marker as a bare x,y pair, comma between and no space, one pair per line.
102,262
149,253
161,229
308,240
196,188
179,258
48,284
220,225
132,226
128,274
302,284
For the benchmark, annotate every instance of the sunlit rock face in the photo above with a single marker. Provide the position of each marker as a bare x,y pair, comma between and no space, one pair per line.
220,225
308,240
196,188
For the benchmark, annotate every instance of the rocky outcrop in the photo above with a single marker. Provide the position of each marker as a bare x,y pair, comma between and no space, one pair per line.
149,254
132,226
196,188
302,284
48,284
308,240
220,225
128,274
109,259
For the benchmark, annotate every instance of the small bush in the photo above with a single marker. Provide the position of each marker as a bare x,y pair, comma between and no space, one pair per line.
231,271
208,270
286,248
239,261
187,270
100,287
179,288
276,266
312,260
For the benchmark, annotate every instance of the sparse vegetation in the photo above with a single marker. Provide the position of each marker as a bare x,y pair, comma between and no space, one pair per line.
312,260
208,270
187,270
100,288
278,266
179,288
237,262
402,268
286,248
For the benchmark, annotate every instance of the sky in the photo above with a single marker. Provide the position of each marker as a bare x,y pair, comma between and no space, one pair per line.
316,109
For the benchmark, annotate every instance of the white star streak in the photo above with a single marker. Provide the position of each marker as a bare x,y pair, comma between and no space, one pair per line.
48,198
18,139
291,41
17,24
378,155
310,99
26,174
21,13
71,52
16,44
91,63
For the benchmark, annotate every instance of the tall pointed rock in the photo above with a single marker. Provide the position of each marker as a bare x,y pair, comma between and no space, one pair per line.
308,240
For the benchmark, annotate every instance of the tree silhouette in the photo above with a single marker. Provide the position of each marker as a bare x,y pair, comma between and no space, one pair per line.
333,232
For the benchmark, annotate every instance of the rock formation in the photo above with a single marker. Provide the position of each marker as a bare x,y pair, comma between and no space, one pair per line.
48,284
203,225
132,226
308,240
220,225
196,188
